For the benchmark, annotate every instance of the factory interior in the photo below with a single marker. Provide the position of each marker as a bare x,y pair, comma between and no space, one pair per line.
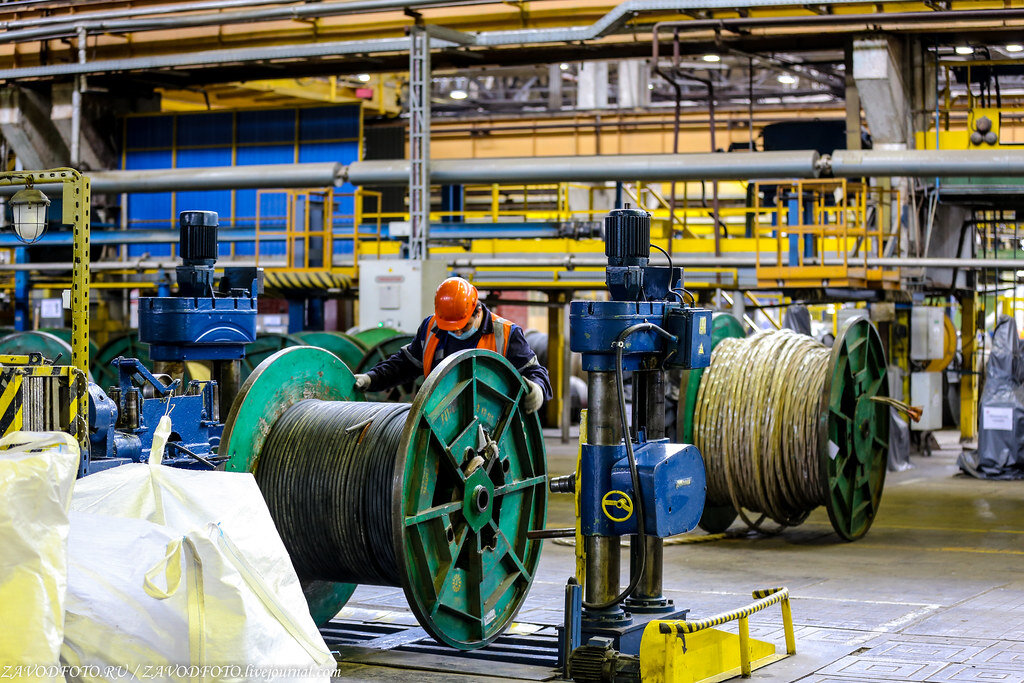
454,341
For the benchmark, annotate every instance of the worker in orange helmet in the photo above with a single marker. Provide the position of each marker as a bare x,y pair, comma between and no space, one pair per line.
460,321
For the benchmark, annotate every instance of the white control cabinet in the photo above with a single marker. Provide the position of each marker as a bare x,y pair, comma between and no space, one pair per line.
926,391
398,293
927,333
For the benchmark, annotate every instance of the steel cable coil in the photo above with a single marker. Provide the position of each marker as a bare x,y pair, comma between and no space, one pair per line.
756,422
326,472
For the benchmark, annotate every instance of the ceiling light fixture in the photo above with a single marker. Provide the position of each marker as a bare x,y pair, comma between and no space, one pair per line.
964,50
458,94
786,79
712,58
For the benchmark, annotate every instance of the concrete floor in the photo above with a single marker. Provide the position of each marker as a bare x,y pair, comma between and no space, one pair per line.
934,592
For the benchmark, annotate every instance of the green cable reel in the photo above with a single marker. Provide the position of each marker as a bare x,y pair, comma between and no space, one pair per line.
382,351
346,347
467,482
852,430
265,346
372,336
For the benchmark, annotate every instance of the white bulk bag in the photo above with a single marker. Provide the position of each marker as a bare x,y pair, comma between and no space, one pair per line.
184,568
37,471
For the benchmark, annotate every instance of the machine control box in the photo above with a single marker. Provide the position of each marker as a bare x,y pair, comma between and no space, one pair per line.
672,484
693,328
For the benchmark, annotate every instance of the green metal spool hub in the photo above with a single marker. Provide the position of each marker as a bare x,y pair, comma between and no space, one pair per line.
853,429
346,347
468,481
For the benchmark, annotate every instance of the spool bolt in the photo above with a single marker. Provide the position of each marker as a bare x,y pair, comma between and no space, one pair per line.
481,498
563,484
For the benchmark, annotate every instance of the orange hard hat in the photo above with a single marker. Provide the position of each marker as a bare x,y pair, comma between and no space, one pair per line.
454,303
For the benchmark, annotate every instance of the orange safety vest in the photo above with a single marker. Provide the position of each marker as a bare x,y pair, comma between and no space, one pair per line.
496,340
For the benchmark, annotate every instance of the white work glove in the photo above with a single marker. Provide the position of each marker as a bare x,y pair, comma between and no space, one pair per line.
534,399
362,382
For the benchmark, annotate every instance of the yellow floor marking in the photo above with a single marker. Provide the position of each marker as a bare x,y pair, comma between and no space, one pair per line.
912,527
945,550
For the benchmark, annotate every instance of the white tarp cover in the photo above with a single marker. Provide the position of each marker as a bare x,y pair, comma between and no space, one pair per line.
37,471
181,575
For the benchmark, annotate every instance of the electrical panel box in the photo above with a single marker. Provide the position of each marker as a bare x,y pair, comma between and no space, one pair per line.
398,293
927,333
926,392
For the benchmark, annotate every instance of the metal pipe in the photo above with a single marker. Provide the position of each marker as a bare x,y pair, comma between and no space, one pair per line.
925,163
217,5
698,262
307,175
603,429
622,167
247,16
76,104
648,413
614,20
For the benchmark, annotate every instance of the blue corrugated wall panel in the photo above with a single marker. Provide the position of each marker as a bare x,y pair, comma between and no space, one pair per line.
274,136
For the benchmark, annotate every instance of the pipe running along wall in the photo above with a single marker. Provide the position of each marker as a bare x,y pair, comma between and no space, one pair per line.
612,167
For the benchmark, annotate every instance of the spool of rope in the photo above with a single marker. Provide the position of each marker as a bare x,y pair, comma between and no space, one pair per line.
436,497
785,425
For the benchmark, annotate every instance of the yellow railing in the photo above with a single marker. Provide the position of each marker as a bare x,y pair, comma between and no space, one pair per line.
823,229
662,654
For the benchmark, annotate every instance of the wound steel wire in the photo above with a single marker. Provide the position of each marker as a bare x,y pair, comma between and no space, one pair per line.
756,423
327,472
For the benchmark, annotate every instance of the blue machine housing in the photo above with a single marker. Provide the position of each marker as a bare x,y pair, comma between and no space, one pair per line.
672,486
197,328
594,326
116,438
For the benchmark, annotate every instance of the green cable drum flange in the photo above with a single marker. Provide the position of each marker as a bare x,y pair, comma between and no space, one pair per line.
716,518
64,334
347,348
48,344
470,482
854,429
375,335
381,351
275,385
436,497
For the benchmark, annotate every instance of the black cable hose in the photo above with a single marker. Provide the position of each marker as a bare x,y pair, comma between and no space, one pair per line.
327,471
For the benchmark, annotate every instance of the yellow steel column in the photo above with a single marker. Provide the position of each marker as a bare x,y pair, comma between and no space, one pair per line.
968,378
556,365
